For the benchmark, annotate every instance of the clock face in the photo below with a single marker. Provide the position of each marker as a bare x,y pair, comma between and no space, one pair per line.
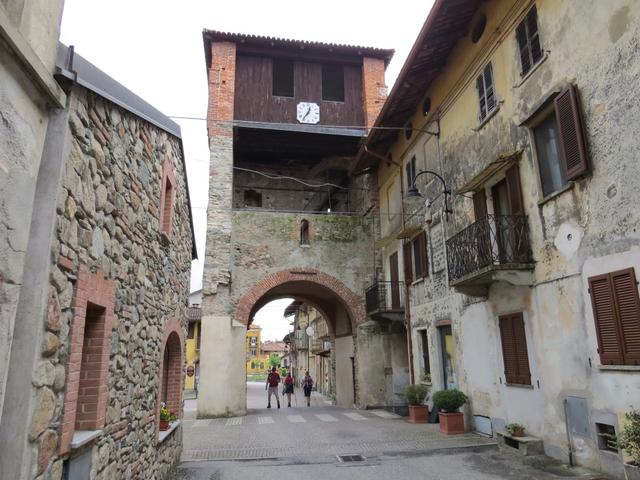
308,112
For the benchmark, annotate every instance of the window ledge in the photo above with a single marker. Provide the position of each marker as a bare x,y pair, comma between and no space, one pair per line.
486,119
82,437
619,368
164,434
526,76
517,385
557,193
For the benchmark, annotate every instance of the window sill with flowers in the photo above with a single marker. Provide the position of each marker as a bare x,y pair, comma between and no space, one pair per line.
168,423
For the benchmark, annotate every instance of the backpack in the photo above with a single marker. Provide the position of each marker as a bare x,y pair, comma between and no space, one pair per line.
308,382
274,379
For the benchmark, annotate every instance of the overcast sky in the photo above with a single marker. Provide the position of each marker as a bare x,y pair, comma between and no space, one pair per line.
154,48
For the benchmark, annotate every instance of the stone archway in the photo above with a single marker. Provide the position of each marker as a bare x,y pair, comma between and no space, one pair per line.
352,302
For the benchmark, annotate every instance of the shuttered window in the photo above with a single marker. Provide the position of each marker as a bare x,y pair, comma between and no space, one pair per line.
529,41
514,349
407,261
486,92
411,172
560,143
616,311
420,258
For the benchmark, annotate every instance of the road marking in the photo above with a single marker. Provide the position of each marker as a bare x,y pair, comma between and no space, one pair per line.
264,420
323,417
355,416
233,421
201,423
384,414
296,419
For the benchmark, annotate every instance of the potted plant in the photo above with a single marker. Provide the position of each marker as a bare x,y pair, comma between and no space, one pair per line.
165,418
514,429
416,395
629,441
451,420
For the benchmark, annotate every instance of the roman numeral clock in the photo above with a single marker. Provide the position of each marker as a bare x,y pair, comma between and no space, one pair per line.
308,112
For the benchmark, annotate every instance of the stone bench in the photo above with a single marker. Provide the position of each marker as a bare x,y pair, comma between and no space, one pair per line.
523,445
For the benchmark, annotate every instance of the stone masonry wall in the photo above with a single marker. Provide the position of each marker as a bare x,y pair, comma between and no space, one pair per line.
108,222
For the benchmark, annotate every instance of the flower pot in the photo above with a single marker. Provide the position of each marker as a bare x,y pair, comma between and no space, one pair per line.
632,471
164,425
418,414
451,423
518,433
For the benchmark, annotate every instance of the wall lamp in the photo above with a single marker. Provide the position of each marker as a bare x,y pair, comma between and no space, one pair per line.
413,192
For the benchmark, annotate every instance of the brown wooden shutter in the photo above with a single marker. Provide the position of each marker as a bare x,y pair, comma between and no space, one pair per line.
407,260
424,257
625,291
571,134
509,354
480,204
514,192
604,314
520,338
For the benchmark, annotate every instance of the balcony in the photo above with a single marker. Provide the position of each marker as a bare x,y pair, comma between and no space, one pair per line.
495,248
385,301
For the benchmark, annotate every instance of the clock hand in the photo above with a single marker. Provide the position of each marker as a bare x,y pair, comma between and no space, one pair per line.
307,114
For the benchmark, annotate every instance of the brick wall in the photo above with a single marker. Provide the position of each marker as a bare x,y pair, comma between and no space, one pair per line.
374,88
221,88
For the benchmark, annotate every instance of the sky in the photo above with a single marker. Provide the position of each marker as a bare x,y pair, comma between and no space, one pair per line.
155,49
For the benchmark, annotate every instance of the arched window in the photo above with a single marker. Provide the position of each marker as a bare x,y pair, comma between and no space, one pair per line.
304,232
170,372
253,365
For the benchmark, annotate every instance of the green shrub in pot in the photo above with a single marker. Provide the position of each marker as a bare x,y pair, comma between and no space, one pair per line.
416,394
449,400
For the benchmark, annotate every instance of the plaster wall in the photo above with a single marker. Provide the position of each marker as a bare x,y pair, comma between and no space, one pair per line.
586,229
344,377
23,126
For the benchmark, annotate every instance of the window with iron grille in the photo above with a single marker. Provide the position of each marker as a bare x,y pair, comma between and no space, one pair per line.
529,41
486,92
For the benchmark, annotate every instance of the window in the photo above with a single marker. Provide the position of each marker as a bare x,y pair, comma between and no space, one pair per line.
529,41
304,232
166,197
426,365
171,368
333,83
420,261
261,365
478,28
411,171
486,94
616,311
282,78
607,438
253,341
560,143
252,198
552,176
514,349
408,130
191,330
198,337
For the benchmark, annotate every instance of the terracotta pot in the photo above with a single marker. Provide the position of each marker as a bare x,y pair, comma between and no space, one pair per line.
518,433
418,414
164,425
451,423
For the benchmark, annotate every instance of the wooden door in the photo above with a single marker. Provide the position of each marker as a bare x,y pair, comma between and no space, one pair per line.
395,286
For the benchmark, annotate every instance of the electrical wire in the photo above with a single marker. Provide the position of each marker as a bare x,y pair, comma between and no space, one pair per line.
283,177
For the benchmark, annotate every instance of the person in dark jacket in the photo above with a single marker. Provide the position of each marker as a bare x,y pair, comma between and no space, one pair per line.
307,385
288,387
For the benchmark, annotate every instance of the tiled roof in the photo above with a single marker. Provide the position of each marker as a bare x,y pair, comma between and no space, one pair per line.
270,346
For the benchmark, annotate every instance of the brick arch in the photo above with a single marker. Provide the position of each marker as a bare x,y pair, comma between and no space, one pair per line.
352,302
173,338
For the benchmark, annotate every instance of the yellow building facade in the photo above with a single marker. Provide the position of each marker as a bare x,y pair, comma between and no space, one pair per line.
257,360
192,350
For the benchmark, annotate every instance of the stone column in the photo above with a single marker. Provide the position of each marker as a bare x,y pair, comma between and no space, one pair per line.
222,353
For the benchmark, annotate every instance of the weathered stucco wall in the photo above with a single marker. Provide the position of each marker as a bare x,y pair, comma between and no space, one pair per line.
23,125
108,220
587,229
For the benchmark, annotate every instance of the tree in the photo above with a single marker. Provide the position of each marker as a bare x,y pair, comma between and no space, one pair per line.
274,360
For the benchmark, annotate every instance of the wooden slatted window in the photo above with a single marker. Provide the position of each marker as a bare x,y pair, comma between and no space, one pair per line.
486,92
529,41
514,349
420,256
616,311
407,261
571,134
282,78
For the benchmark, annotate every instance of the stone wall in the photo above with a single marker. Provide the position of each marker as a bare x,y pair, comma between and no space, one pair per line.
108,223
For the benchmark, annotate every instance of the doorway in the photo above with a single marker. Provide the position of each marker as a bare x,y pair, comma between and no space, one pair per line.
447,347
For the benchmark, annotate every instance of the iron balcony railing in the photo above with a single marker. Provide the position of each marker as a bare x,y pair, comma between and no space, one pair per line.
384,296
492,240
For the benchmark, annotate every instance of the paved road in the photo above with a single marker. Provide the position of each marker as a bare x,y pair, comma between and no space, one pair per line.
305,442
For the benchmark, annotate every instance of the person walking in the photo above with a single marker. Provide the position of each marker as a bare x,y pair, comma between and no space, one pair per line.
288,387
307,385
273,379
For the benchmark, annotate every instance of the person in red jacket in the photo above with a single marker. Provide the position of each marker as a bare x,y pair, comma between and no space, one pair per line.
273,379
288,387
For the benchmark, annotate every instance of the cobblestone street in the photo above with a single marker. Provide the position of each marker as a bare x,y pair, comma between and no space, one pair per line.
297,441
